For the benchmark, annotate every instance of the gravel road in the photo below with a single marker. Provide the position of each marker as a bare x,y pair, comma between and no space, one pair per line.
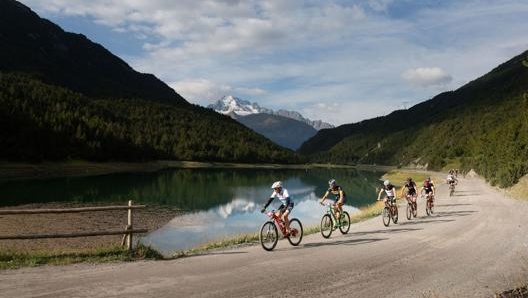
474,245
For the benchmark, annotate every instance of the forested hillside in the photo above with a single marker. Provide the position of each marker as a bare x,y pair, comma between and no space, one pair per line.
45,122
482,125
34,45
63,96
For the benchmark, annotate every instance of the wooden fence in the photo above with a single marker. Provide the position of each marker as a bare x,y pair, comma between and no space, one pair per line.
127,232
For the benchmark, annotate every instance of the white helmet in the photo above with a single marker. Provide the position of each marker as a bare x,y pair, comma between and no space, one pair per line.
386,182
331,182
276,184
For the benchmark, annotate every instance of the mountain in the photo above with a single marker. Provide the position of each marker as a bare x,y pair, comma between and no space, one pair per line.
31,44
64,97
287,132
483,125
235,107
286,128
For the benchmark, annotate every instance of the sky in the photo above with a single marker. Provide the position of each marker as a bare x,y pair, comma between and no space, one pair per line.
339,61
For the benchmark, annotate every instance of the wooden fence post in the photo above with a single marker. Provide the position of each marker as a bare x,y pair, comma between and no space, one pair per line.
129,226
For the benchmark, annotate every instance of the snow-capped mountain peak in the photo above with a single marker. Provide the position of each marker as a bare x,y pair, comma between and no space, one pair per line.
230,105
234,106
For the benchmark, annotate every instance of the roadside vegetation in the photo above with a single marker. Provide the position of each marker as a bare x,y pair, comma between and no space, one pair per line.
114,253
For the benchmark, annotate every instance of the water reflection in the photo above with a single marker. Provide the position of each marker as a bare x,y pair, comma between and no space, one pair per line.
221,202
240,216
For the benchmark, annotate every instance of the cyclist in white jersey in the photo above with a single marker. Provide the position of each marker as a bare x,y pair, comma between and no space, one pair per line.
389,190
286,203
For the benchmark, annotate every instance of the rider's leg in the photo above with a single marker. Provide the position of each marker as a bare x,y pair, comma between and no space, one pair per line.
286,220
339,209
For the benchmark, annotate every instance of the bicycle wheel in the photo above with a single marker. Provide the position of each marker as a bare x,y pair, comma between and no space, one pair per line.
326,225
345,223
395,215
414,209
296,232
409,211
386,216
268,235
428,208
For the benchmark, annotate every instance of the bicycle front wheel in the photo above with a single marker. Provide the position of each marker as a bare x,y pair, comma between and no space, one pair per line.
428,208
326,226
268,235
345,223
296,232
395,214
386,216
409,211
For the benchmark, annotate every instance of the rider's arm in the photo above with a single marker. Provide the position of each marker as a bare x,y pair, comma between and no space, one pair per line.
324,197
267,203
379,194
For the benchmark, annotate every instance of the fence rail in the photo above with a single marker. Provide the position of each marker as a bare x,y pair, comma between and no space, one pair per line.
127,232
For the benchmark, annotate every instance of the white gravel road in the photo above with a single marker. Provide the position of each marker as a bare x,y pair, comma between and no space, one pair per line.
474,245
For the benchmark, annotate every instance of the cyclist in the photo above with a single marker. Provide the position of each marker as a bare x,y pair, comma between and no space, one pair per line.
410,185
389,190
340,198
428,188
286,203
451,179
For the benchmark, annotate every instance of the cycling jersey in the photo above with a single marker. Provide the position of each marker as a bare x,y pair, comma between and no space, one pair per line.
428,187
337,191
389,190
411,187
284,198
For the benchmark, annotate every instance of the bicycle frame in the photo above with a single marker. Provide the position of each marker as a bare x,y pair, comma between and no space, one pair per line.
390,212
278,221
269,231
329,221
330,210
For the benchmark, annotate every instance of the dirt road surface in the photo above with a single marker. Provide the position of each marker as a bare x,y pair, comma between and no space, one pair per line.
474,245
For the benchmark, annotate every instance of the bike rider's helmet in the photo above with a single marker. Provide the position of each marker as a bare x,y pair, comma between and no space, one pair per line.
428,179
386,182
276,184
331,183
409,179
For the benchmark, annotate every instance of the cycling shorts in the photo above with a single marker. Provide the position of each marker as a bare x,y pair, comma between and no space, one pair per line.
288,207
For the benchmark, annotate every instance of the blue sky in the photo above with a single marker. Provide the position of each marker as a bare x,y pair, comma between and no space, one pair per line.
334,60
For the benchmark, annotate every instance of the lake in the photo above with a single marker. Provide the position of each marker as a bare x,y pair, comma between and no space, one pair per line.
221,203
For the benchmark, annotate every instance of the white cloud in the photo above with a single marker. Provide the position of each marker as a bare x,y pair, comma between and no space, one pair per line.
427,76
348,56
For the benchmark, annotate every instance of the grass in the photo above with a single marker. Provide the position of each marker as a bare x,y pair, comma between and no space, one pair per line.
14,260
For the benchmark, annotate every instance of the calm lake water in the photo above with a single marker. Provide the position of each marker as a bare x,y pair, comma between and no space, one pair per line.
222,202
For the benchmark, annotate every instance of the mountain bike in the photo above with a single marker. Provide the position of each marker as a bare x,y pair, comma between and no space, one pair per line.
390,211
451,188
429,204
412,208
329,222
269,232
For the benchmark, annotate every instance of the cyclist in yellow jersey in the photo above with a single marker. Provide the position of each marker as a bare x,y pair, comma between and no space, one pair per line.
340,197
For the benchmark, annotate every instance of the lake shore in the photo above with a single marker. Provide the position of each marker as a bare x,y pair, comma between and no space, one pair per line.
10,170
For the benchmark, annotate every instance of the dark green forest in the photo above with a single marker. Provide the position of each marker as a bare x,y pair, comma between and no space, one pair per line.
65,97
45,122
483,125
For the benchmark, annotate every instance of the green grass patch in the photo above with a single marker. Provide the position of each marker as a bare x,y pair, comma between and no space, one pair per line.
14,260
